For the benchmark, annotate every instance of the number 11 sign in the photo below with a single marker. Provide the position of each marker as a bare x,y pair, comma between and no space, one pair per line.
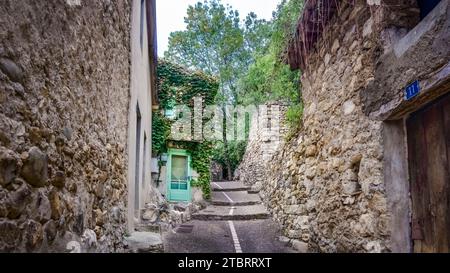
412,90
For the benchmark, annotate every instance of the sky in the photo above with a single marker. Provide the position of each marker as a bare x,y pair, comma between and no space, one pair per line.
170,15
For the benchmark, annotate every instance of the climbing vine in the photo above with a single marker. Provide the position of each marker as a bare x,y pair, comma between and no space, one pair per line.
160,133
179,86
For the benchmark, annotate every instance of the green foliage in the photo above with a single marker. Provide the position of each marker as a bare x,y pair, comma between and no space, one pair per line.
257,34
160,133
285,22
177,85
201,160
268,78
246,57
216,42
294,119
255,87
235,151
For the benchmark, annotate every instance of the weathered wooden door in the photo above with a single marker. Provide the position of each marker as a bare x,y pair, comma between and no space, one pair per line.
429,167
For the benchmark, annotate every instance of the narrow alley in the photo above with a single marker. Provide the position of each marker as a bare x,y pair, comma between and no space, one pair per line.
327,123
235,222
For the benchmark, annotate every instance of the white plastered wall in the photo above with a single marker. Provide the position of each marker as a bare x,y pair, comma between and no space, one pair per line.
140,95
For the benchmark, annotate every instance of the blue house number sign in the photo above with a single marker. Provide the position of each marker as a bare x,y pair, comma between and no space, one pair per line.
412,90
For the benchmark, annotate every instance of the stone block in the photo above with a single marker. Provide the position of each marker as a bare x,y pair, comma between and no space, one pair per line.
294,234
145,242
11,69
296,209
35,167
348,107
59,179
300,246
17,201
284,240
8,166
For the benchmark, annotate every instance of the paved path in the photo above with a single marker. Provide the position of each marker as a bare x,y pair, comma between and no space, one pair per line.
235,222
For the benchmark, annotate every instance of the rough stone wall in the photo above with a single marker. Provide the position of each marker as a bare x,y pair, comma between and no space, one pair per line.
264,140
64,95
325,186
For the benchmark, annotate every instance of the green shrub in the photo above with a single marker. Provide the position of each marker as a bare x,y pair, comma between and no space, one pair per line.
294,119
235,151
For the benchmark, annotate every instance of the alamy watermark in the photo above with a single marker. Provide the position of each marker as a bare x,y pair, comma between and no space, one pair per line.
214,122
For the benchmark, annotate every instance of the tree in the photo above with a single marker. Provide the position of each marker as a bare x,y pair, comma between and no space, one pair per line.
246,57
257,34
213,42
216,42
269,78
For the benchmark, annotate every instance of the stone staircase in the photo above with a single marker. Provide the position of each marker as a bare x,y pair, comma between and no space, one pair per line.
228,186
148,227
239,198
232,201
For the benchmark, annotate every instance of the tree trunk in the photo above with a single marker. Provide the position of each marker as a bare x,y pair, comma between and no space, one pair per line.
225,143
229,171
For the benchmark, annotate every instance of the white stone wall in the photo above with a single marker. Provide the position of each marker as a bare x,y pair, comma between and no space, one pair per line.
264,140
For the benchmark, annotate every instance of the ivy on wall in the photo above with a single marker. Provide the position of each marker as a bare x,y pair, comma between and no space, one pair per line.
179,86
160,133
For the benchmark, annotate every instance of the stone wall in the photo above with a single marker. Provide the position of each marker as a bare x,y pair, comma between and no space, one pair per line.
267,133
325,186
64,97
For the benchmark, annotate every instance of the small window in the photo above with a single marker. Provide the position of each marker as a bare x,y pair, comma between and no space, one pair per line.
169,113
426,6
142,22
137,158
144,157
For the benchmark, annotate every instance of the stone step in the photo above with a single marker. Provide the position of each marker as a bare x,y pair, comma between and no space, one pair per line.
251,212
148,227
234,198
145,242
229,186
240,203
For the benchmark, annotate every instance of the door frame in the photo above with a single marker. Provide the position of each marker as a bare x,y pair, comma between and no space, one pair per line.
397,177
180,152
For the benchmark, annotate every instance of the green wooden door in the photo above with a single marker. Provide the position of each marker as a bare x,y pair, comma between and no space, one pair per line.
178,175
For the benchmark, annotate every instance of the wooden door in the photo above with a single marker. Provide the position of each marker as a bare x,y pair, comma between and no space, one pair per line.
429,166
